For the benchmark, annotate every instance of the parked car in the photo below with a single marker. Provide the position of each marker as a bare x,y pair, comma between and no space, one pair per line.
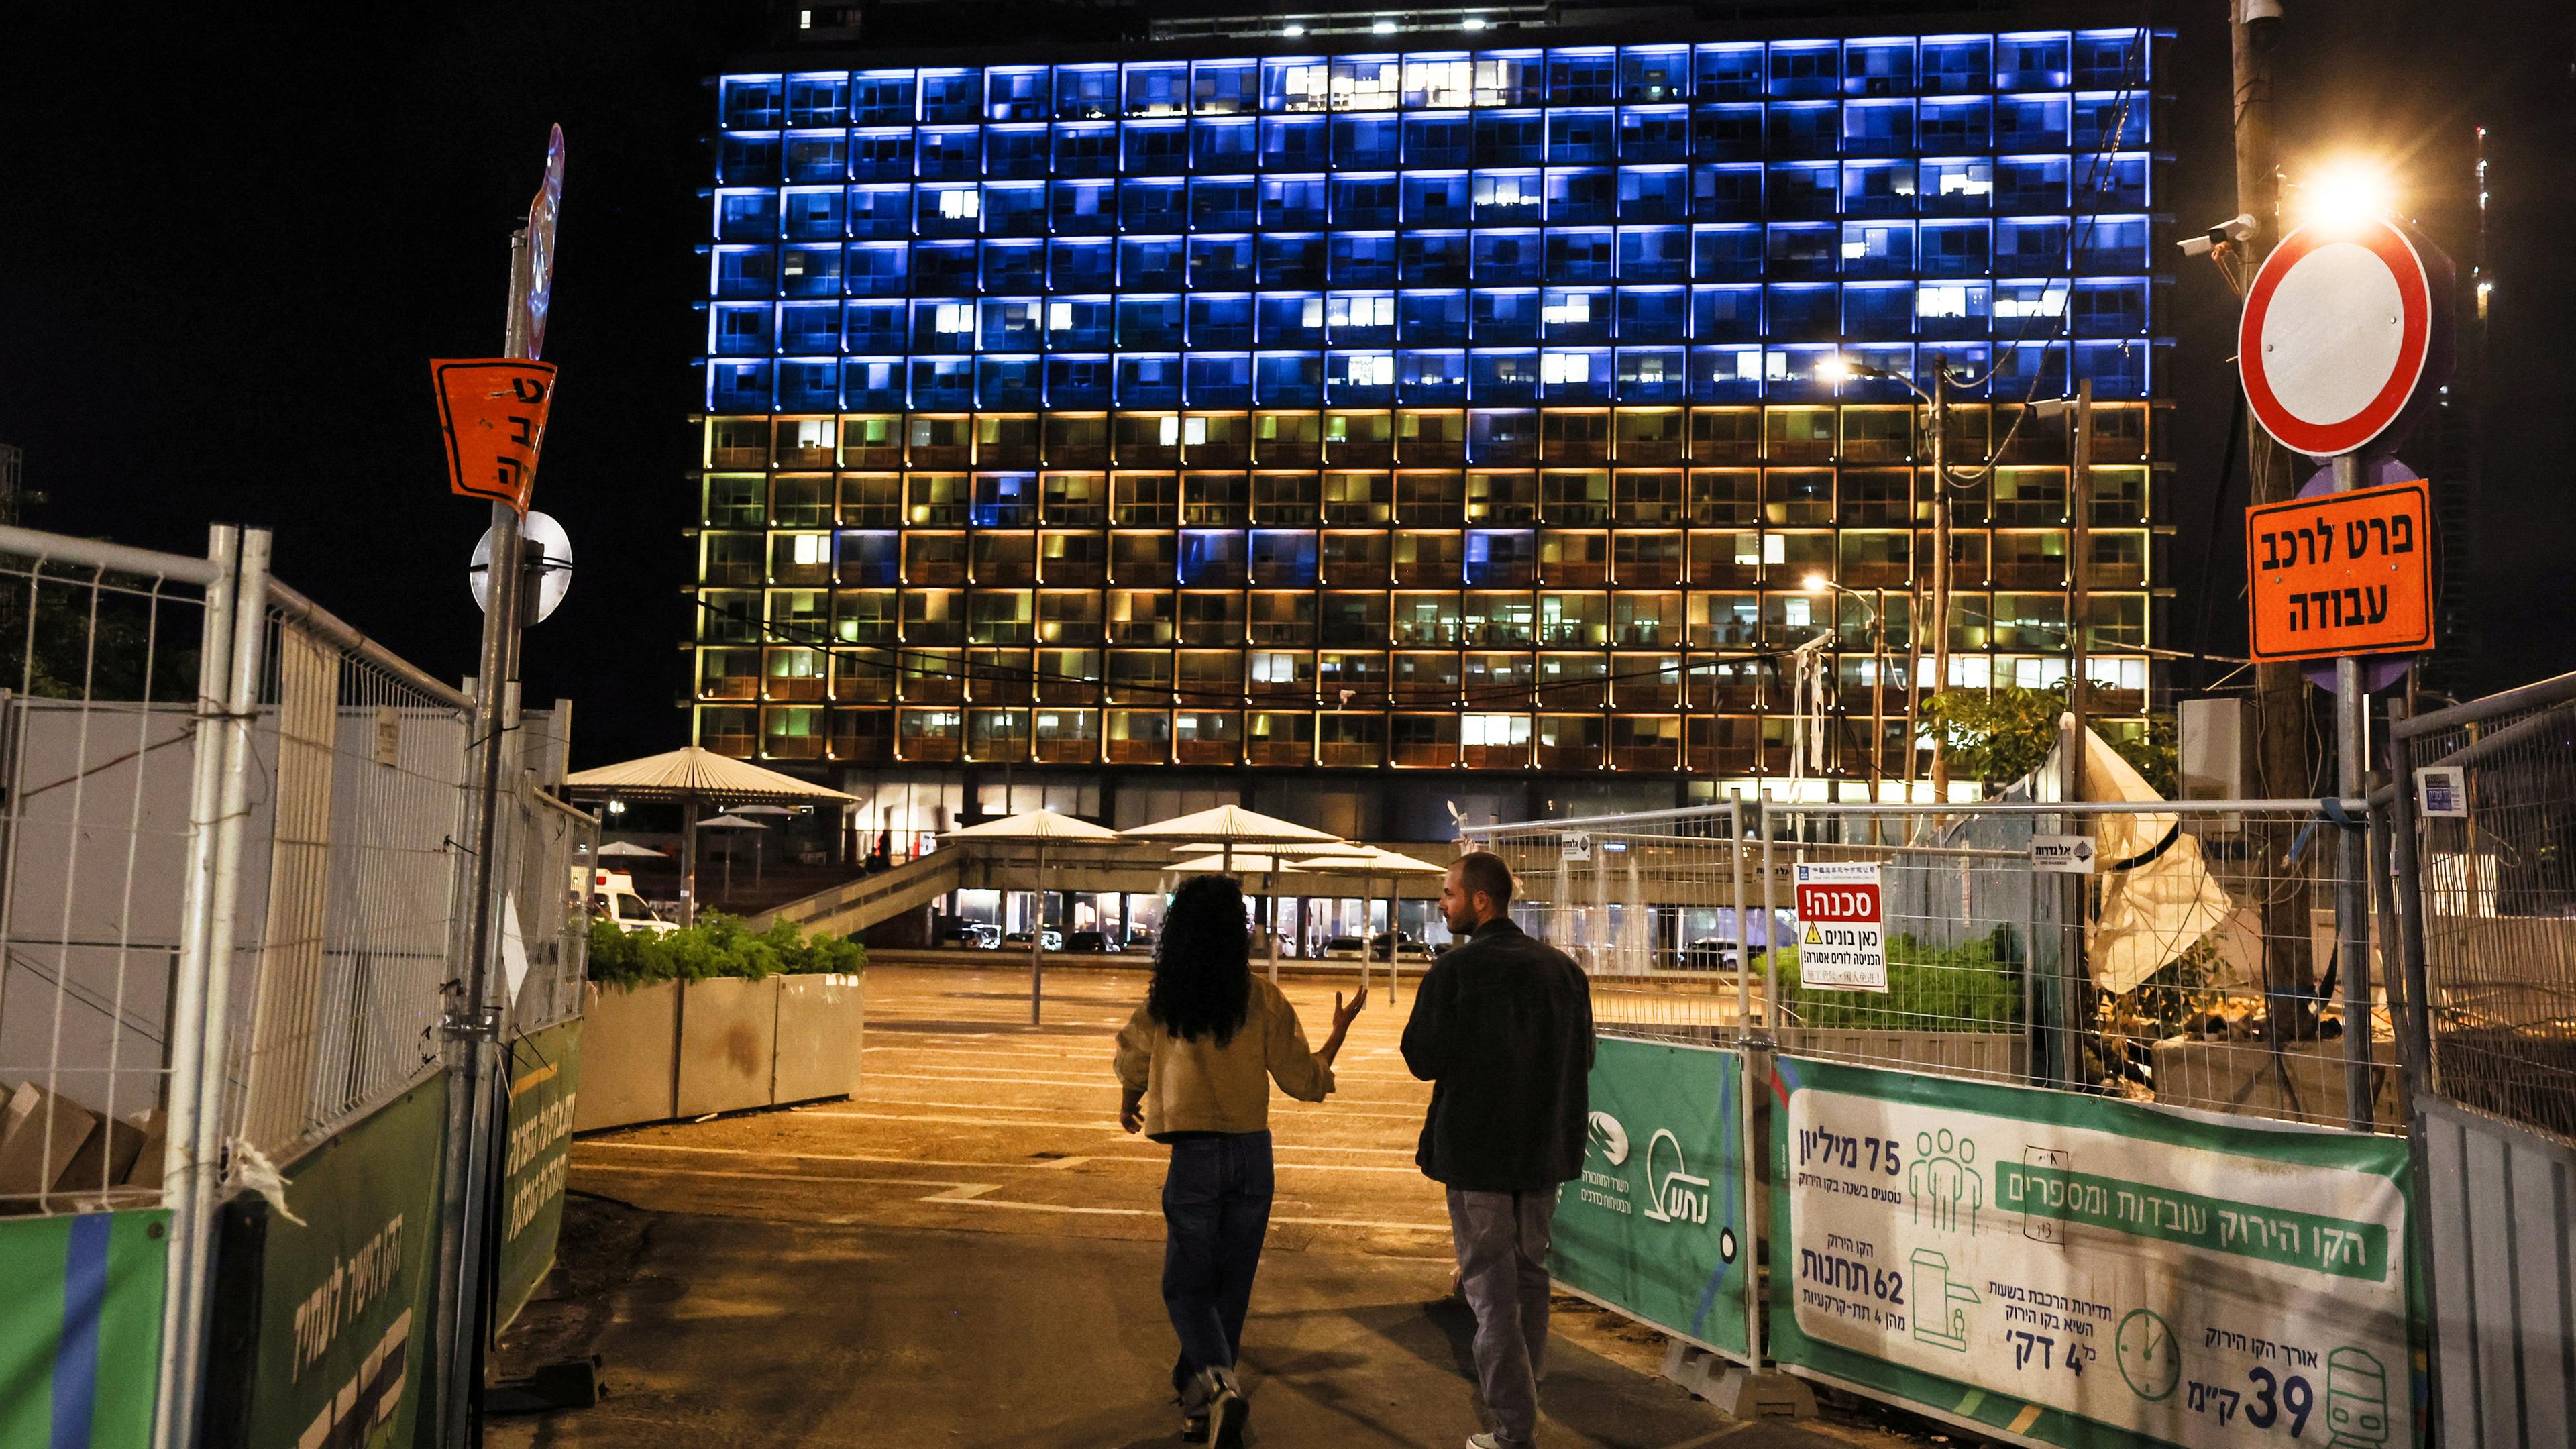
1344,948
1407,948
1020,940
1088,941
1139,938
961,934
1714,953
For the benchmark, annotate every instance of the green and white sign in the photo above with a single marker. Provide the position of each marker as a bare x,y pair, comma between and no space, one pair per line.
545,1074
2066,1270
1654,1228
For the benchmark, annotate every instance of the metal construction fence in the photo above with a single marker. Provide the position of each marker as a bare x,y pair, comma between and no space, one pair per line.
2479,819
2194,964
233,894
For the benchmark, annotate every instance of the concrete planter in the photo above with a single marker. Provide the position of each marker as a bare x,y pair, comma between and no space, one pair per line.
685,1049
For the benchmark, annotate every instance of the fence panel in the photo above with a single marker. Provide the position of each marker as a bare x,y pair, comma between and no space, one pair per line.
346,930
2495,892
2159,996
99,684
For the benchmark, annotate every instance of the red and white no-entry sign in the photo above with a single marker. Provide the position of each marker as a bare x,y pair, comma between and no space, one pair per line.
2337,330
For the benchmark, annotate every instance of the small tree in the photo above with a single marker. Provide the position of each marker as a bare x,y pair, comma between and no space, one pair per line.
2000,735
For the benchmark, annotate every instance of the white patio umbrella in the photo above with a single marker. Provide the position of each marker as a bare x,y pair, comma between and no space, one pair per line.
1231,826
758,854
730,822
626,847
1044,827
1369,866
694,778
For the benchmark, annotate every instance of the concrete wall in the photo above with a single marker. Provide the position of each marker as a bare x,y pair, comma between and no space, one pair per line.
685,1049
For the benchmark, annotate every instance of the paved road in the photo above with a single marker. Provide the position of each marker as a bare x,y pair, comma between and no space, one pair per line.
966,1253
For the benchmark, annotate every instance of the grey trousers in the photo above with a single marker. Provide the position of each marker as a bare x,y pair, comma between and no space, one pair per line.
1501,1239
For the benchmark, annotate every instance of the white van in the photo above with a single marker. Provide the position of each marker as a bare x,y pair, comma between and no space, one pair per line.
613,898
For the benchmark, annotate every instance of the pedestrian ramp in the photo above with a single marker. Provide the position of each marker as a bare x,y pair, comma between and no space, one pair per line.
852,906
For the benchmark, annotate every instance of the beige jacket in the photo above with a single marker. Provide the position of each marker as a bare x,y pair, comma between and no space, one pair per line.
1198,1086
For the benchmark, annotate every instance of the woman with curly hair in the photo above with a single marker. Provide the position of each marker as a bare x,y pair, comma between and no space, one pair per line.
1192,1063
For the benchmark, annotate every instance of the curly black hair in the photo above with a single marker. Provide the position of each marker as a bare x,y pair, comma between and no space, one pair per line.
1203,962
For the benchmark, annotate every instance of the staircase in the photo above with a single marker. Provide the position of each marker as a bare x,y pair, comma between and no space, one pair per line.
852,906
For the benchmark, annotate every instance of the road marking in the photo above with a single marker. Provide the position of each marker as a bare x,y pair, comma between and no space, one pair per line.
1048,1207
964,1192
770,1176
1054,1164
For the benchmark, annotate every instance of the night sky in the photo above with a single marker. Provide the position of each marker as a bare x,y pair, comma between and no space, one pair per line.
228,251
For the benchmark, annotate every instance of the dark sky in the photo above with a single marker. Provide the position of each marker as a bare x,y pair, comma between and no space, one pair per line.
229,248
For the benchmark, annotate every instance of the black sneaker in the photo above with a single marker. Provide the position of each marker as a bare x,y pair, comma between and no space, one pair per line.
1227,1412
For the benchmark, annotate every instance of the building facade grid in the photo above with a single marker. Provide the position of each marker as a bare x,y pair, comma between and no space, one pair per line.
1417,410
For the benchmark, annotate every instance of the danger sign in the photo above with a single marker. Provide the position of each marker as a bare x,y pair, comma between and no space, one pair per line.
2344,573
1842,942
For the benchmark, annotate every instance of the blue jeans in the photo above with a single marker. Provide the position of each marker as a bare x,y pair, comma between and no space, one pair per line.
1216,1211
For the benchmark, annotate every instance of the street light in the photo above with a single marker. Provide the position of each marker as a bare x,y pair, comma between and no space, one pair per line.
2344,192
1817,583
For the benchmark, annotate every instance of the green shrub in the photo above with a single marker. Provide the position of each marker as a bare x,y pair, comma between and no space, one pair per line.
1970,987
716,946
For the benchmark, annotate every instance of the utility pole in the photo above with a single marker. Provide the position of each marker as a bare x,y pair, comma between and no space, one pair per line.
2280,692
2079,604
1936,425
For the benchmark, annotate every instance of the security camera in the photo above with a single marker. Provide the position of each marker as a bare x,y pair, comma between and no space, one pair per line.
2236,228
2262,21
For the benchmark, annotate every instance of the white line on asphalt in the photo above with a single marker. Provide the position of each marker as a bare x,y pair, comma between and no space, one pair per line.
771,1176
1055,1164
1048,1207
964,1192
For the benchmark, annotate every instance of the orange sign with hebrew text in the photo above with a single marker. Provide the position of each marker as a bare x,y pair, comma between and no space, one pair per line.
2341,573
493,413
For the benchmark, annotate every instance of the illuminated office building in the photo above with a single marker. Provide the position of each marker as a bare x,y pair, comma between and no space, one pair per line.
1299,426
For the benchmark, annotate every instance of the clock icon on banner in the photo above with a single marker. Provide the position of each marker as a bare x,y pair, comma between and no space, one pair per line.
2148,1356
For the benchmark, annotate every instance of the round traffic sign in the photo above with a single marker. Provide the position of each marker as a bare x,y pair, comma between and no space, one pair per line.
2337,329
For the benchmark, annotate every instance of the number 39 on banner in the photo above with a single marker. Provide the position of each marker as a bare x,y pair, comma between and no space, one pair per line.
493,413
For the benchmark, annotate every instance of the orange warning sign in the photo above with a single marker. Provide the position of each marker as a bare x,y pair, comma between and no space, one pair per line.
493,411
2341,573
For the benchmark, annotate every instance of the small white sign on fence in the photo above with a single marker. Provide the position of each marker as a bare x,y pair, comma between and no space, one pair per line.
1842,939
2442,791
2062,854
1575,845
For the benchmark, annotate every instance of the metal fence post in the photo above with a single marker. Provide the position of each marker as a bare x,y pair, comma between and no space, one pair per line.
185,1188
1771,1016
2415,1028
202,1151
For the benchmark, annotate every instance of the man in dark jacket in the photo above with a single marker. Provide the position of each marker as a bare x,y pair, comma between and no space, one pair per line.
1502,1029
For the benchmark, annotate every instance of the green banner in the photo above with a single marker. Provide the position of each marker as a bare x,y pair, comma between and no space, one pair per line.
324,1329
2059,1269
1654,1227
80,1328
545,1073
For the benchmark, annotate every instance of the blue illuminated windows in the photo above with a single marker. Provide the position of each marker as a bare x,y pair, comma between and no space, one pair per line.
1365,200
1156,148
1654,314
1220,262
746,271
882,98
1727,72
1292,261
1582,77
1225,87
1295,201
1437,140
1806,68
747,215
1654,193
1367,141
1432,317
951,97
752,103
1580,255
1363,260
2032,123
1504,315
2030,62
1224,203
1726,253
1436,198
1510,138
1295,143
1726,314
1225,145
1654,254
1804,129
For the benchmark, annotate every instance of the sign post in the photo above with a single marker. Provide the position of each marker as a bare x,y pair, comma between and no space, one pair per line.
2345,339
494,414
